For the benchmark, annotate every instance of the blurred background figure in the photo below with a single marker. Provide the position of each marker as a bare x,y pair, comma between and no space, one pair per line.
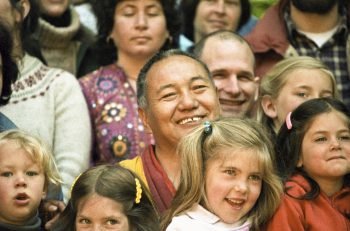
315,28
260,6
203,17
8,74
130,33
87,17
60,39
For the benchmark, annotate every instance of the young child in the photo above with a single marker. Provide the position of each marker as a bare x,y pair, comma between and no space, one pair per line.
227,178
313,153
289,83
108,198
26,168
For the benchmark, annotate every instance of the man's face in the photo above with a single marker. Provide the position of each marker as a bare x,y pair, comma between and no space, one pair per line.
216,15
180,97
314,6
231,64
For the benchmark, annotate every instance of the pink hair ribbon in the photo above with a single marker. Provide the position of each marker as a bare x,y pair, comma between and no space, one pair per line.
289,121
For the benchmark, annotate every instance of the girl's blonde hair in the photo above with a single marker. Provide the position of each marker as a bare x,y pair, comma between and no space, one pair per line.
37,150
200,146
272,83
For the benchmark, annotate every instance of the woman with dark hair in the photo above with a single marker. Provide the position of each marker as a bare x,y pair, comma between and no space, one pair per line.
130,33
8,74
203,17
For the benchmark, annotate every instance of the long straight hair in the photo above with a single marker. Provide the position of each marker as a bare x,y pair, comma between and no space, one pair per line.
197,148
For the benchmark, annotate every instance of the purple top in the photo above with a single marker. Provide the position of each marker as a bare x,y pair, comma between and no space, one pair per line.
118,132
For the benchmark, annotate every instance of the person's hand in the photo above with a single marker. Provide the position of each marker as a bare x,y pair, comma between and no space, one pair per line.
53,208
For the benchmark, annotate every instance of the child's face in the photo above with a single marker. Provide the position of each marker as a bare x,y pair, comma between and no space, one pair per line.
96,212
301,85
325,152
233,184
21,185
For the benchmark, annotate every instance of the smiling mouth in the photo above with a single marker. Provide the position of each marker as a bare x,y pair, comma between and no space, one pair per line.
226,102
190,120
217,23
236,203
337,158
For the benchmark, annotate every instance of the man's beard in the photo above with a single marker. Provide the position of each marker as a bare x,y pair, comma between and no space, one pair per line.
314,6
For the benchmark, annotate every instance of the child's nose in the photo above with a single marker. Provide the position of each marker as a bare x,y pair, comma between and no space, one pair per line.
97,227
21,181
335,144
240,186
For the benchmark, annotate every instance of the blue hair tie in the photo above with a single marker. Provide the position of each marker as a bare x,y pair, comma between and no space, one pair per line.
207,128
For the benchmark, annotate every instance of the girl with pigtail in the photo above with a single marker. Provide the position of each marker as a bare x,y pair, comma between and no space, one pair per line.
227,178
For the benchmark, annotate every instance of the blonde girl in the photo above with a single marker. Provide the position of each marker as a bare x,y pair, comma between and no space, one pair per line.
289,83
227,178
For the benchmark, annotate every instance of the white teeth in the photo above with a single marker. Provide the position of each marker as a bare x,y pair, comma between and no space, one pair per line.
188,120
238,202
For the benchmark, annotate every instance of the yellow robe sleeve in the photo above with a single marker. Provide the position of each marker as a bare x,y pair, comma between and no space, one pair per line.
136,166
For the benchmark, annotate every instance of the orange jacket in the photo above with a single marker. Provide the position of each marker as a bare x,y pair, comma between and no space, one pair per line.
322,213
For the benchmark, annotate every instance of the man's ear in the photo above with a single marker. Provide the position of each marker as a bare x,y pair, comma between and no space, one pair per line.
256,94
24,6
144,119
268,106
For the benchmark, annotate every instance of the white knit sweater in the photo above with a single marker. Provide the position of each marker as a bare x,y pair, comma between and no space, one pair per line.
48,102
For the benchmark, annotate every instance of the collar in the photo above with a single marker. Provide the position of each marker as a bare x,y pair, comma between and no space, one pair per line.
58,37
197,212
33,224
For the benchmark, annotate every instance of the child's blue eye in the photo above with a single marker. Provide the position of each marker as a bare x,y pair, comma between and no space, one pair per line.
112,222
344,138
84,221
255,177
7,174
321,139
302,94
32,173
230,172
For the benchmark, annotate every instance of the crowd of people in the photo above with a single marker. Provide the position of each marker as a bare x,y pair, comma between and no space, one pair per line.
172,115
